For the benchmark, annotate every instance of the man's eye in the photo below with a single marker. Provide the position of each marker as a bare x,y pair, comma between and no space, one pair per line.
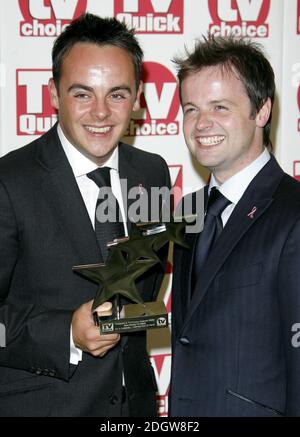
220,108
117,96
81,96
188,110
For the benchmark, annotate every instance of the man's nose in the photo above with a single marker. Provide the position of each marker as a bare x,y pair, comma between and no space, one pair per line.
100,108
204,120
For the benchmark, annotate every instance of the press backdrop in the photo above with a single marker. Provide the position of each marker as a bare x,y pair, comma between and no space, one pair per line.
28,29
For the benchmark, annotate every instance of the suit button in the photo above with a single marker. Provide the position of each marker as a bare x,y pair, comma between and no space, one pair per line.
184,341
51,372
45,372
113,400
38,371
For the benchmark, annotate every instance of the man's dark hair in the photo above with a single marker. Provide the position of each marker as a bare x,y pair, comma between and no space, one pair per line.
89,28
244,58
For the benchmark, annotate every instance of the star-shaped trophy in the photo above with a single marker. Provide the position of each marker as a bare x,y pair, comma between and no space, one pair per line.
128,258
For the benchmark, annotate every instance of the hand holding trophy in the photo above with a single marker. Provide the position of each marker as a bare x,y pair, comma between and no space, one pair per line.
129,258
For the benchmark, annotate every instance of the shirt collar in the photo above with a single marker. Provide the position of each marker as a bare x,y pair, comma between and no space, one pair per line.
234,188
81,165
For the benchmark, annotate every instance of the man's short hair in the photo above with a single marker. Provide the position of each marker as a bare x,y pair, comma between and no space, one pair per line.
89,28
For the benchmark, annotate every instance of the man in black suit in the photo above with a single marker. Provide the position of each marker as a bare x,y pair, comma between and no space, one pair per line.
55,362
236,292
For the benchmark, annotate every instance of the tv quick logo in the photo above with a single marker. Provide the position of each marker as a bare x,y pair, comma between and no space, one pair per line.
239,17
162,370
151,16
159,103
35,114
48,17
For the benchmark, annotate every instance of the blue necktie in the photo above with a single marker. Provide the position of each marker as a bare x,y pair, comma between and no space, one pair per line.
113,227
212,229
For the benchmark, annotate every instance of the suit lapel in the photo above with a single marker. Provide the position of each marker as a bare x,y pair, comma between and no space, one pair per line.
257,198
61,191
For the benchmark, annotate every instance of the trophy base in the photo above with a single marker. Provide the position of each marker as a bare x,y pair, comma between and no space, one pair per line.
135,317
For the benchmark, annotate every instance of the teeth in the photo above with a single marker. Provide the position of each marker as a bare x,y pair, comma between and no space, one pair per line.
98,130
211,141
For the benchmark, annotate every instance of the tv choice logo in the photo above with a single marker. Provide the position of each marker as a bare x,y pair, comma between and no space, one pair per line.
48,18
151,16
159,103
107,327
239,17
35,115
162,321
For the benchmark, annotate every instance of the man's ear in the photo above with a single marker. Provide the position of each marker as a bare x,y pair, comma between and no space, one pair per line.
137,105
263,114
53,93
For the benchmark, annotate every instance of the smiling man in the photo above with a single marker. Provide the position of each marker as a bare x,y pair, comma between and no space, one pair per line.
55,362
236,293
95,95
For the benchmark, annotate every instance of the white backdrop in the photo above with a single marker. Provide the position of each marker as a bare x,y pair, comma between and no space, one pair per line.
28,29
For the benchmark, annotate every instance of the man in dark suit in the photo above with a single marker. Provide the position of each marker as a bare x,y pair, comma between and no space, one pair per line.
55,362
236,292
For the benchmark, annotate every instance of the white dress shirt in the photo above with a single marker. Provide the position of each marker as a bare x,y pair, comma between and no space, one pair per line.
234,188
81,165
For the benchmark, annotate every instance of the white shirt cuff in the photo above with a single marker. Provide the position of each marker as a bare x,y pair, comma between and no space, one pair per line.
75,353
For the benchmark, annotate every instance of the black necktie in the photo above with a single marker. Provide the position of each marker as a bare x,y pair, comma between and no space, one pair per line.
212,229
106,230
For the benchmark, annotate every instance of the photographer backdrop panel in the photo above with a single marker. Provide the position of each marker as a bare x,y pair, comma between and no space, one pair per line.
28,29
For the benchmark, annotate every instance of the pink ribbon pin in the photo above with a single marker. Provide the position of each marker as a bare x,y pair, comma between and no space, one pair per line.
252,212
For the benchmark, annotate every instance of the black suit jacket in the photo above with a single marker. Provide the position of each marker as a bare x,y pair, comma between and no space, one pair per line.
234,346
44,231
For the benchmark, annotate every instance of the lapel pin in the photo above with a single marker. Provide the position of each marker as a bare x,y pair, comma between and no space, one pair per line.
252,212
